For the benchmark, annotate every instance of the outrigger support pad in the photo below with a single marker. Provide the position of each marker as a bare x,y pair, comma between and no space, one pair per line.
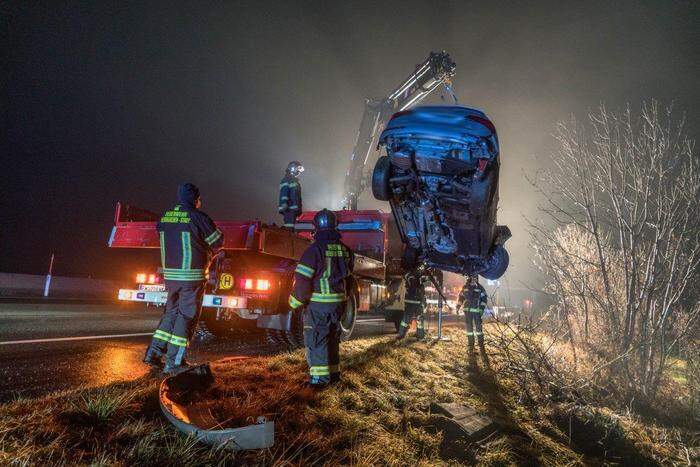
202,425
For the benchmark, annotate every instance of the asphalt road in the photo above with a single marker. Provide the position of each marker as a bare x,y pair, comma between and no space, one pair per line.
51,347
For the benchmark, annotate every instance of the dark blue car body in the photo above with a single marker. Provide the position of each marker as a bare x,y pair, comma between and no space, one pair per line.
440,175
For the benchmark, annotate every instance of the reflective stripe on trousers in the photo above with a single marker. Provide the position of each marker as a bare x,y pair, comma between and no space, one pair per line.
473,320
322,339
178,322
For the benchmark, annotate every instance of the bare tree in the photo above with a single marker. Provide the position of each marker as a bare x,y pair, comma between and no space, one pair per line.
620,239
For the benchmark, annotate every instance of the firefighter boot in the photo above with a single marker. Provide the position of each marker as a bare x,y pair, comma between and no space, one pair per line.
153,357
403,330
176,369
420,327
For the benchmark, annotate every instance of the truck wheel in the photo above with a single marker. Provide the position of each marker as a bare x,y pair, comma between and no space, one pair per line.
497,263
295,337
380,179
348,320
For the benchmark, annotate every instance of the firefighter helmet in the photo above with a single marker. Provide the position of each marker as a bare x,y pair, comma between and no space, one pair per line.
325,220
295,168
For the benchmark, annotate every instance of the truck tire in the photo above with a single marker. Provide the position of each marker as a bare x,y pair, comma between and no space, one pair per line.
348,320
380,179
295,337
497,263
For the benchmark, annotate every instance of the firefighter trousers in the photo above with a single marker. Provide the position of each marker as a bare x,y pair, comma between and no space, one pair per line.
474,327
178,322
290,218
413,311
322,333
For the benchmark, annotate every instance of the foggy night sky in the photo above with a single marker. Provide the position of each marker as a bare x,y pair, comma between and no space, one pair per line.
106,102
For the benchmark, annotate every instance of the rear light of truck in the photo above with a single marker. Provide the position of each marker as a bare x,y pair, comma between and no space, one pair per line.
259,285
143,278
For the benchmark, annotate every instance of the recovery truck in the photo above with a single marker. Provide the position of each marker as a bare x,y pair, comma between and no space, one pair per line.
250,280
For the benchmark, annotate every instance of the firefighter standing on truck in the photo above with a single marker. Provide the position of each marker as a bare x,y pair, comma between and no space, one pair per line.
320,284
188,237
414,299
290,195
473,299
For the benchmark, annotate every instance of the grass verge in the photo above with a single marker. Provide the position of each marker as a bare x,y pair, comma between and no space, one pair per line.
378,414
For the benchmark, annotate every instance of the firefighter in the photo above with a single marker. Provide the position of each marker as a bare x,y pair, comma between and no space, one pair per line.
188,238
414,299
320,283
290,195
473,299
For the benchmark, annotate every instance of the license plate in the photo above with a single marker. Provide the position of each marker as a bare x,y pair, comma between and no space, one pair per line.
224,301
152,287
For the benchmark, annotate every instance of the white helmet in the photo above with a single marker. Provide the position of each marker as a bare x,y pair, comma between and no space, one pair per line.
295,168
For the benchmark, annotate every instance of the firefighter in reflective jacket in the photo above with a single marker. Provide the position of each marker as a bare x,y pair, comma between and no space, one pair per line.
414,299
290,194
188,237
473,299
320,282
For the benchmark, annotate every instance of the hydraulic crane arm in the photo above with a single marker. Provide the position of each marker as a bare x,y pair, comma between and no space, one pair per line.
437,69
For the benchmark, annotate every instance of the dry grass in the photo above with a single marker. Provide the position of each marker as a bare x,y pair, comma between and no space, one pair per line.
378,414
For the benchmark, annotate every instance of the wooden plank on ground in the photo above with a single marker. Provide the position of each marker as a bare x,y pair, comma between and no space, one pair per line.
475,425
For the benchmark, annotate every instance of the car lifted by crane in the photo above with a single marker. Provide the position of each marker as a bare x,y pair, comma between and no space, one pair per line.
440,175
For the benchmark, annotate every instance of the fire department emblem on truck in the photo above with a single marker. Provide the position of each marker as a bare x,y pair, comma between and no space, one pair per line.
226,281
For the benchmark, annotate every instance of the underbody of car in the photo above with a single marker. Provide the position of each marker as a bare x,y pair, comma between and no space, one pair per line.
440,175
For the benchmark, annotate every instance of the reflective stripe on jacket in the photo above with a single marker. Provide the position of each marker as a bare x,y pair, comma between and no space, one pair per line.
187,238
322,271
473,298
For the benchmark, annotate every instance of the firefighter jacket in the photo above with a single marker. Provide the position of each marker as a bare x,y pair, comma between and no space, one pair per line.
322,271
187,239
415,290
473,298
290,195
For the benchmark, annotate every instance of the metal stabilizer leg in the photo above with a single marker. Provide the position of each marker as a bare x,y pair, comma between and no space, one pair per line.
438,287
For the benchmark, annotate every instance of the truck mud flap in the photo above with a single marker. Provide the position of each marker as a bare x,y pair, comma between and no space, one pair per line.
281,322
199,424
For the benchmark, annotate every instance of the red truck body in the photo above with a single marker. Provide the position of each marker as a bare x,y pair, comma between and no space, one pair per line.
256,251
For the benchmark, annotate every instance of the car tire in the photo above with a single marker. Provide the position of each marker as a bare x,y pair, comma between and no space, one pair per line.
380,179
497,263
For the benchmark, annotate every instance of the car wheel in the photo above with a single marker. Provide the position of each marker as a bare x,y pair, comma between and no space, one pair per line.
380,179
497,263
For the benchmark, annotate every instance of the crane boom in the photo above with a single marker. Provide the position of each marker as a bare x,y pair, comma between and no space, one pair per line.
437,69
